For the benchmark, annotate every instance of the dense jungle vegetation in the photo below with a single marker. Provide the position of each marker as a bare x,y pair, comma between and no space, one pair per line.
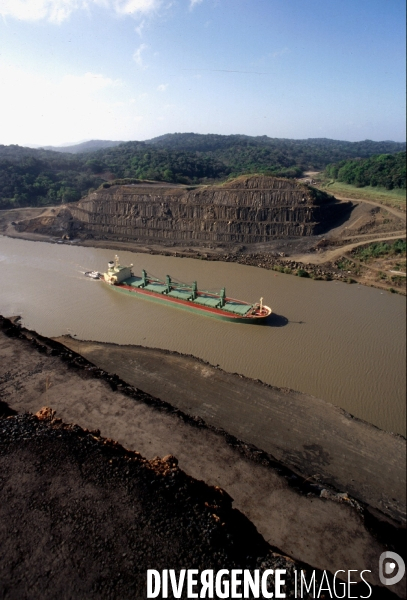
383,170
37,177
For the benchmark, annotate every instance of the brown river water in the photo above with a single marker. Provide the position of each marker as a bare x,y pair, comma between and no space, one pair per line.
342,343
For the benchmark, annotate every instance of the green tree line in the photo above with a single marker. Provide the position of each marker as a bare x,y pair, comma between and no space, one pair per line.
383,170
37,177
31,177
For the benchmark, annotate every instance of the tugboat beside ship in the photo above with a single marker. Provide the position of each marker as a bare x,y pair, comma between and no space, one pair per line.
93,274
182,295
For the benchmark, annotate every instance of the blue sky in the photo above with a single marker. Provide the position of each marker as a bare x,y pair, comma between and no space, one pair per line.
73,70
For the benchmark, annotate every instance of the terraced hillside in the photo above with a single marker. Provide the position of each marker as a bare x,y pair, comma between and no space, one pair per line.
245,210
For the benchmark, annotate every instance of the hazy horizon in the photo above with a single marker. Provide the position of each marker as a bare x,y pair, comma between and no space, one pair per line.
136,69
77,143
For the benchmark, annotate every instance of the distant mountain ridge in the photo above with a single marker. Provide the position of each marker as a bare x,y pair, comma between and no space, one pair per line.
90,146
213,142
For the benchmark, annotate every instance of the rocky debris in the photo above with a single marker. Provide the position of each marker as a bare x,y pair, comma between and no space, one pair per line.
83,517
246,210
45,414
261,182
341,497
278,262
60,224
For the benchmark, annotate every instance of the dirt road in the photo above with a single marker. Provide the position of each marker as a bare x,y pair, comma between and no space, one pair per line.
394,211
348,231
333,254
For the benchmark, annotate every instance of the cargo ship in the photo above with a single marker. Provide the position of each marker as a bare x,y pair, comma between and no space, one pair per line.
183,295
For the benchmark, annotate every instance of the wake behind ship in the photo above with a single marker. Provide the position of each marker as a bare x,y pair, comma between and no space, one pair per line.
183,295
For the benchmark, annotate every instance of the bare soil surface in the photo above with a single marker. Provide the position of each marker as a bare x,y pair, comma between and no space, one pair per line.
82,517
317,526
399,214
313,438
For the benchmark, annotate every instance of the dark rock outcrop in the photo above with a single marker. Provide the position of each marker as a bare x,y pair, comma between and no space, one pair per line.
82,517
245,210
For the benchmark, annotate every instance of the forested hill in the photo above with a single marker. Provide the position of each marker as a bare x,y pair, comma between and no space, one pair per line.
383,170
35,177
90,146
312,153
195,158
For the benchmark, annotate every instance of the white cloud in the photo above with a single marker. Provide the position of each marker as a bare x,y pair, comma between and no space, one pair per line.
72,107
36,10
162,87
137,7
140,27
57,11
193,3
138,59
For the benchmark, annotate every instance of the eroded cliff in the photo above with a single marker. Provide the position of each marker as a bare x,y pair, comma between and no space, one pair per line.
245,210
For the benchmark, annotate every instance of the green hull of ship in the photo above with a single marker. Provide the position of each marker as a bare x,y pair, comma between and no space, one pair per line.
190,308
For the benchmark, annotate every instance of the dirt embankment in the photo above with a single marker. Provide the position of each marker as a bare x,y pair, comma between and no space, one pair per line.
310,522
82,517
311,437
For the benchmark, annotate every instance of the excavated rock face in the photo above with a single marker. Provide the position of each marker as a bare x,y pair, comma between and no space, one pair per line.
246,210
